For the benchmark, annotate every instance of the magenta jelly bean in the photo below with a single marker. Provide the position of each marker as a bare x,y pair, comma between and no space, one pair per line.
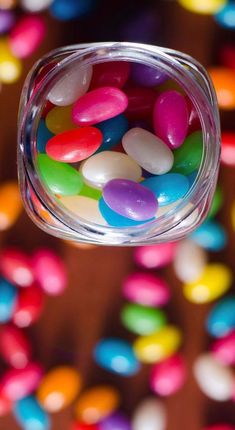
50,271
27,35
29,306
140,102
155,256
99,105
15,347
146,289
223,349
110,74
168,377
170,118
19,383
15,266
130,199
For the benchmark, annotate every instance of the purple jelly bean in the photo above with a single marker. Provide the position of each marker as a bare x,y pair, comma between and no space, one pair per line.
147,76
7,20
130,199
170,118
117,421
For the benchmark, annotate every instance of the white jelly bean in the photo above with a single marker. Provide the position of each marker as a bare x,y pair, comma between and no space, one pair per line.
83,207
215,379
190,260
148,150
104,166
150,414
35,5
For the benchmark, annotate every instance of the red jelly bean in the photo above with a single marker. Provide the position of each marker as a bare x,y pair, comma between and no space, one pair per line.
227,56
50,271
29,306
193,118
140,102
14,347
168,376
47,108
82,426
110,74
224,349
18,383
16,267
154,256
5,405
74,145
27,35
228,148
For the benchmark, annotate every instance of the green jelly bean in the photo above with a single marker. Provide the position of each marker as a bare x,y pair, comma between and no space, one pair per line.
59,177
188,156
217,203
142,320
93,193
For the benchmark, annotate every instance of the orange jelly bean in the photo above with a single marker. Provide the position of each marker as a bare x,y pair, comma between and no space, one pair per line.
10,204
224,83
96,403
58,388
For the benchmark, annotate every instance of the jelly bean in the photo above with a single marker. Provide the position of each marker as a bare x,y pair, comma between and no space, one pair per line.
10,204
190,261
150,414
72,85
210,235
170,118
50,271
220,427
14,346
168,377
146,289
110,74
117,356
84,207
60,178
214,379
7,20
147,76
217,202
148,151
193,118
99,105
117,421
8,297
29,306
27,35
223,80
43,135
141,319
81,426
107,165
200,6
188,157
93,193
167,188
228,148
155,256
225,16
113,130
58,119
114,219
10,66
214,281
18,383
221,319
96,403
227,55
140,102
36,5
58,388
158,346
65,10
16,267
5,405
224,349
48,105
29,414
130,199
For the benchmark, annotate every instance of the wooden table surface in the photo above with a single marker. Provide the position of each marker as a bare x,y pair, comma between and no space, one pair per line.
89,309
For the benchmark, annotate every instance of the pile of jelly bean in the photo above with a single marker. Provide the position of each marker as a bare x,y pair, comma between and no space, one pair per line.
119,145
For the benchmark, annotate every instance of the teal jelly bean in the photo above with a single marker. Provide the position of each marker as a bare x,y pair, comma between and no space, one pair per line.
30,415
221,319
167,188
187,157
43,135
60,178
8,298
142,320
116,220
210,235
113,130
217,202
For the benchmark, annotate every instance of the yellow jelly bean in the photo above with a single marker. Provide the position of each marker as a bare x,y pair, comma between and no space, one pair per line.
224,83
158,346
203,6
215,280
10,66
59,119
58,388
96,403
10,204
83,207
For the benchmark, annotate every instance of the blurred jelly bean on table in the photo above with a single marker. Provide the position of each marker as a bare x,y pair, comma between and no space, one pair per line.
223,349
65,10
43,135
18,383
15,347
114,219
76,425
7,20
155,256
140,102
15,266
36,5
29,414
145,289
209,7
228,148
221,319
224,83
50,271
189,261
58,119
110,74
141,319
147,76
5,405
226,16
187,157
150,414
167,188
113,130
210,235
10,204
168,377
29,305
220,427
116,421
117,356
10,66
27,35
227,55
8,298
84,207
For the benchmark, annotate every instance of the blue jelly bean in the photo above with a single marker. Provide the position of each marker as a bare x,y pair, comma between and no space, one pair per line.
113,130
43,135
30,415
221,319
226,16
167,188
116,220
64,10
210,235
116,356
8,297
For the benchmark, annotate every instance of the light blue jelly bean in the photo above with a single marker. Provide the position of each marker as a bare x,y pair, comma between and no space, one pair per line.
8,297
210,235
30,415
116,356
116,220
221,319
167,188
226,16
64,10
113,130
43,135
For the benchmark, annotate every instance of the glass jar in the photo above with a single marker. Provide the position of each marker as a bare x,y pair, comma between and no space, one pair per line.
44,208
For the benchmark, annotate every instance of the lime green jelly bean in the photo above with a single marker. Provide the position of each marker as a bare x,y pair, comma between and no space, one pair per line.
60,178
142,320
93,193
188,156
216,202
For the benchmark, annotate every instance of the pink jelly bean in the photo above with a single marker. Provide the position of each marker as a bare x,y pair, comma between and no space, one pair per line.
193,118
224,349
15,266
169,376
18,383
140,102
50,271
170,118
146,289
154,256
5,405
110,74
29,306
98,105
14,346
27,35
220,427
